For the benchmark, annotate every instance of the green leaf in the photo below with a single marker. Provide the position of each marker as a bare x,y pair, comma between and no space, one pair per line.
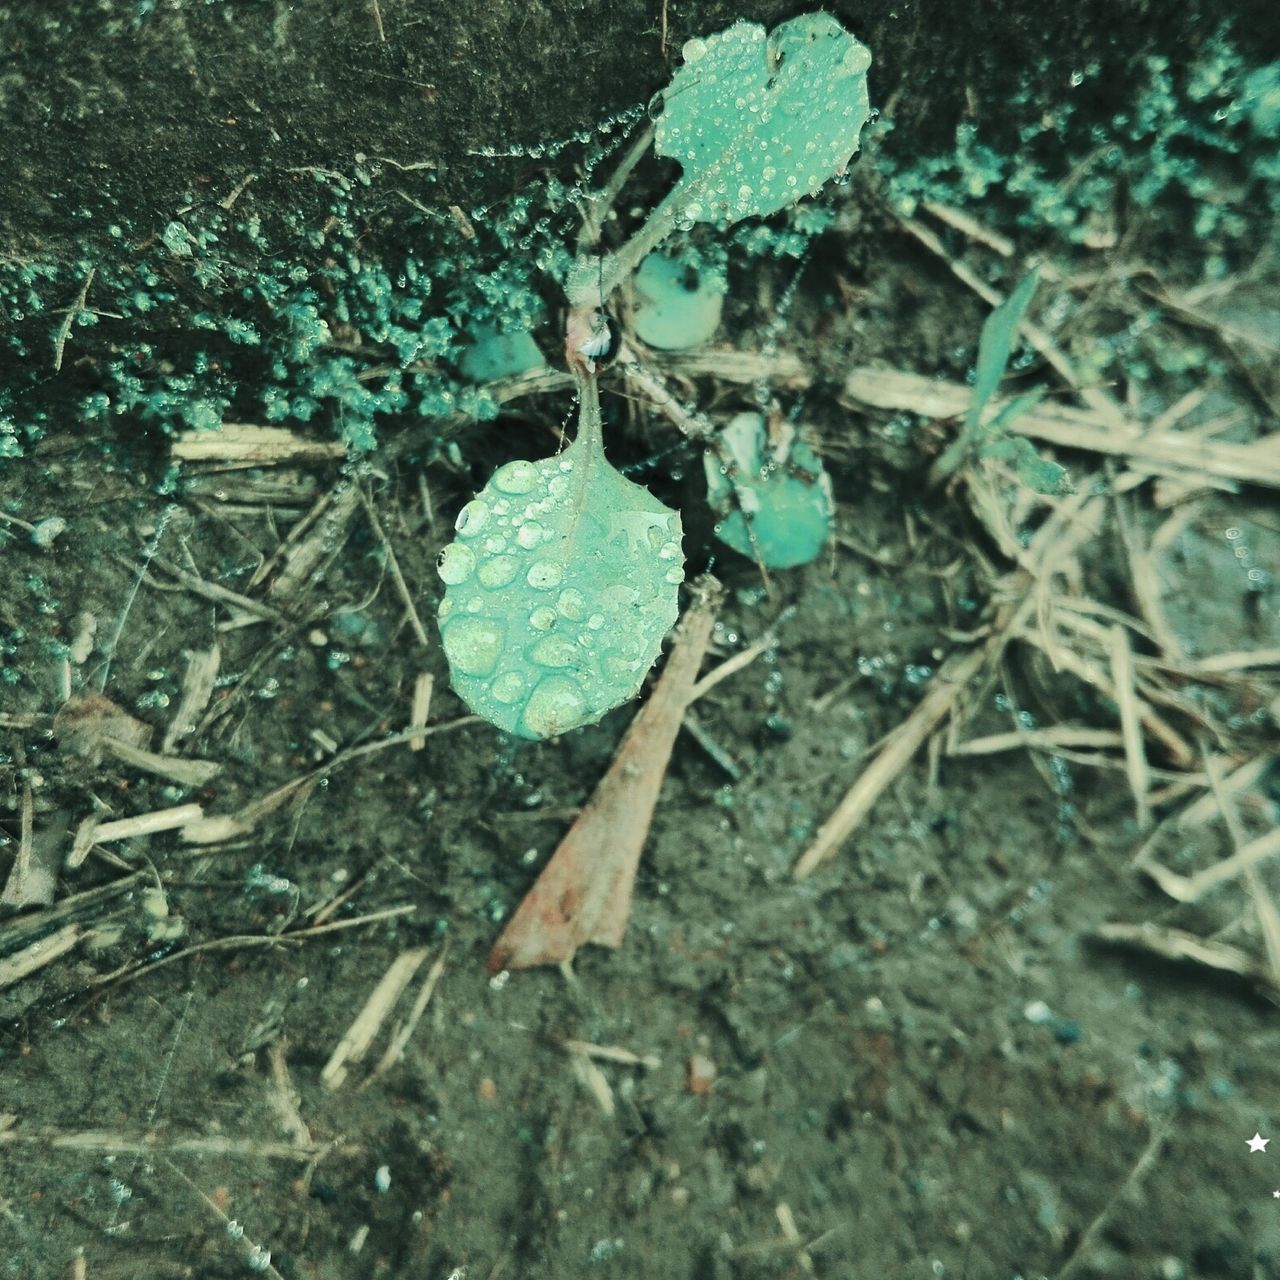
1038,473
995,345
758,121
776,506
561,584
491,354
677,307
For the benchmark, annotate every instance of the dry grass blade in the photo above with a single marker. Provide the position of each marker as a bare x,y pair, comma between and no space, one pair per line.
404,1032
584,892
242,444
1192,888
150,1142
197,689
1055,738
1183,947
33,879
1130,724
950,682
363,1030
35,955
1168,453
1072,523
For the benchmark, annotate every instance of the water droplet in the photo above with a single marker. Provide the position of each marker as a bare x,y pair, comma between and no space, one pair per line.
572,604
507,687
542,618
674,575
669,552
554,651
472,518
531,534
517,476
596,621
558,486
556,705
456,564
497,572
694,49
544,575
472,645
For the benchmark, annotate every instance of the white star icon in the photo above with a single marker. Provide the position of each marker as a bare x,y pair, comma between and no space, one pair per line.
1258,1142
1275,1195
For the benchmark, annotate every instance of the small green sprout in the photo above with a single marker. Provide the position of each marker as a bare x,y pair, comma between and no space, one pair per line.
778,507
993,437
564,578
677,306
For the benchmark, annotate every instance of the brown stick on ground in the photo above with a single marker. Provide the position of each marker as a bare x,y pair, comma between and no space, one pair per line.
584,893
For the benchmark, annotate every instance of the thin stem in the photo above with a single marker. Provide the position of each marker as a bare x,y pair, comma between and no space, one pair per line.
592,288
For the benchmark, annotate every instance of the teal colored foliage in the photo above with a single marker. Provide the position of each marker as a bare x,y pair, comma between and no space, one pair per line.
1187,140
677,306
994,437
216,315
774,499
560,586
757,120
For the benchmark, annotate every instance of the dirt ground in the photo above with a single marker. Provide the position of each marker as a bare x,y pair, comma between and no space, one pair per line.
1006,1033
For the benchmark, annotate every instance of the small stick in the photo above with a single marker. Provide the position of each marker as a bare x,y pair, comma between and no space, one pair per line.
421,707
36,955
1130,724
149,1142
364,1029
185,772
893,757
1052,739
1268,919
142,824
197,689
613,1053
1240,781
30,883
1182,947
245,444
400,1040
64,329
406,596
1192,888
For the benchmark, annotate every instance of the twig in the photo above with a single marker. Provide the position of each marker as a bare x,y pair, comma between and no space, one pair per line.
406,596
358,1037
403,1034
946,688
64,329
1141,1168
151,1142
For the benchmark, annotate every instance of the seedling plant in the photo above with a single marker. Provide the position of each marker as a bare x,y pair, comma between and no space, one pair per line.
564,577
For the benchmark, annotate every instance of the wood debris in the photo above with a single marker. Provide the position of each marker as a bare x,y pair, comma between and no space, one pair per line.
362,1032
583,894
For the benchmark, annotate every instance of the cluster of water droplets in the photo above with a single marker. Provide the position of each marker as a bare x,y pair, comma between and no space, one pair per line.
539,639
757,120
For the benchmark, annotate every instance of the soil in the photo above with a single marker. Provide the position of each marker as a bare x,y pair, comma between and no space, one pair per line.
920,1061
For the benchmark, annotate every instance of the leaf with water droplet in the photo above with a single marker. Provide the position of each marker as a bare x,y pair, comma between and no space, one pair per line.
677,306
560,586
777,506
757,120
